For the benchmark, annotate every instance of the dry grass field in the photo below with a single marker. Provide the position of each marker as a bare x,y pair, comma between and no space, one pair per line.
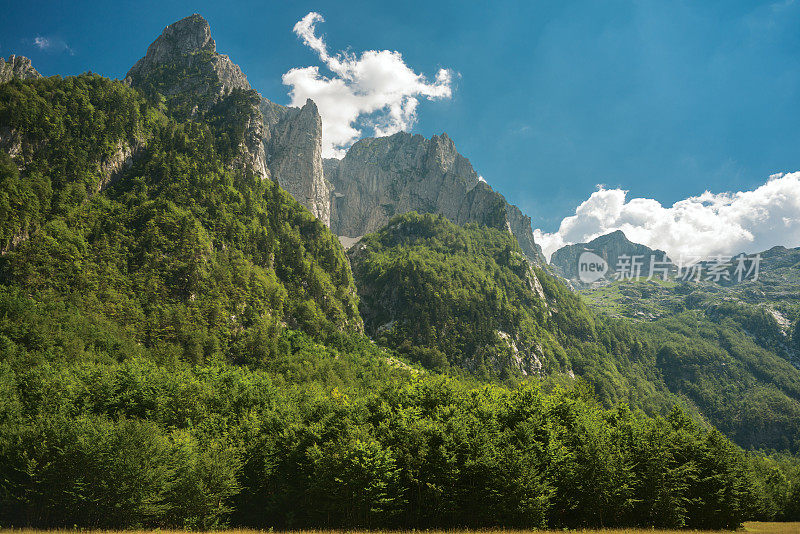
772,528
754,527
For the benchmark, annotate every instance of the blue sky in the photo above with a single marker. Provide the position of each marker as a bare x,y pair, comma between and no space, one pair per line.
662,99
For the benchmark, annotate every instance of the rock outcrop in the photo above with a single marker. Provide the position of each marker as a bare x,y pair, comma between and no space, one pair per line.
18,67
293,141
280,142
378,178
385,176
186,55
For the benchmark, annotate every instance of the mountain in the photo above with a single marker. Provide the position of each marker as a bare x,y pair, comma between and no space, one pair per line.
186,55
730,346
281,143
185,250
18,67
182,342
463,297
609,247
386,176
378,178
767,306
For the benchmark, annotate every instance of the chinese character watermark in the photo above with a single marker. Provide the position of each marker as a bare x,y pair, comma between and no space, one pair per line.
719,269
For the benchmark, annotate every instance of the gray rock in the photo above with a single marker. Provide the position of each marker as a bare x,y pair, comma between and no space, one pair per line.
281,143
385,176
293,143
18,67
186,46
184,66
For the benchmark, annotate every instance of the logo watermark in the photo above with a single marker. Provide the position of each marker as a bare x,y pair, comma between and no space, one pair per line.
719,269
591,267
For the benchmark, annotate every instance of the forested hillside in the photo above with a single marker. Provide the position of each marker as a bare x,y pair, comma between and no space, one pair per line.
450,296
192,257
731,347
182,346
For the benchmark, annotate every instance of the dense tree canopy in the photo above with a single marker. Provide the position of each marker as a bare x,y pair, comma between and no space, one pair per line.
181,346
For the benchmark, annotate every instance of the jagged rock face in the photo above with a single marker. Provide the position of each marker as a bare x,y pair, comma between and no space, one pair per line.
293,141
183,65
281,143
376,180
18,67
385,176
187,45
609,247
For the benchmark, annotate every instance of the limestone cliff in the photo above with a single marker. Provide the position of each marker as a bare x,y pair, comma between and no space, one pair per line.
18,67
378,178
280,142
293,141
385,176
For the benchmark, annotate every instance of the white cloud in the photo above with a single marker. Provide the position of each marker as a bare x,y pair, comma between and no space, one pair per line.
375,90
42,43
705,225
52,44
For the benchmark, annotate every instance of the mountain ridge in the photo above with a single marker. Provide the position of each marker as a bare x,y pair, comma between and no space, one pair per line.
284,144
386,176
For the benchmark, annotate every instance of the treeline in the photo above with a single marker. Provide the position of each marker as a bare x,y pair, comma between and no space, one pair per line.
463,297
113,445
182,349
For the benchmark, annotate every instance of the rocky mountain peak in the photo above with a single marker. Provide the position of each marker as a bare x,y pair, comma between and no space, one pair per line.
187,36
18,67
187,46
282,143
385,176
310,107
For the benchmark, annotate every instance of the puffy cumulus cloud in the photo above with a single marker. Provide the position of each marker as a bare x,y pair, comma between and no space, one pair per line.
705,226
375,90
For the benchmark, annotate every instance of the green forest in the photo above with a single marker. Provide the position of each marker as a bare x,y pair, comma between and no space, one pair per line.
182,345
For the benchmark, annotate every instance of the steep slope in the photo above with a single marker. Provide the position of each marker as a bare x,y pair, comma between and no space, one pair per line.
277,142
467,296
463,297
387,176
293,142
729,347
190,255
